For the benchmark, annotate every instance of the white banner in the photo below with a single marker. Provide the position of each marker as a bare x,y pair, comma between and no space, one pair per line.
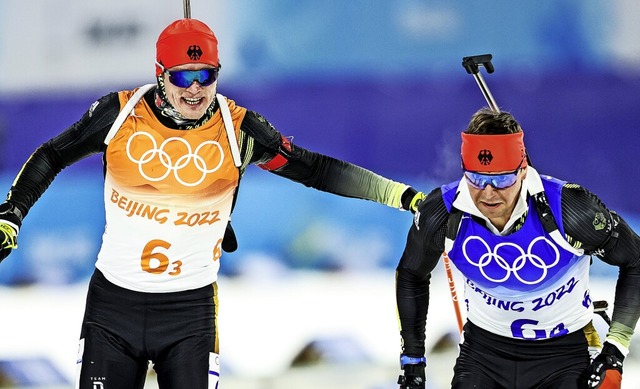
82,44
71,44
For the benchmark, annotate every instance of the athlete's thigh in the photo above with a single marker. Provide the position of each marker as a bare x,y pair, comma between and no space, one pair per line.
469,374
473,381
567,381
186,361
569,376
104,362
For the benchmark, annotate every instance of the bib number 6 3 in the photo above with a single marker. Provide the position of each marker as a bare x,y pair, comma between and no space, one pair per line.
154,259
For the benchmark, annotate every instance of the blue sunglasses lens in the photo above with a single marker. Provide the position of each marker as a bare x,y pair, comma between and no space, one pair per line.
498,181
184,78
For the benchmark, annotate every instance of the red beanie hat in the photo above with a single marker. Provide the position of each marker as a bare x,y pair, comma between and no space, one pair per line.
186,41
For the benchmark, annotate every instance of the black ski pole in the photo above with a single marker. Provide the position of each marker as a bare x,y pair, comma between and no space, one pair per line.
472,65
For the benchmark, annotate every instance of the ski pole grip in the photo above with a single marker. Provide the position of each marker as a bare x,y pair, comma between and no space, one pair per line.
471,63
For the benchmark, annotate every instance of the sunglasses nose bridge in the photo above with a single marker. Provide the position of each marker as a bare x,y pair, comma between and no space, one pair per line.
191,79
195,84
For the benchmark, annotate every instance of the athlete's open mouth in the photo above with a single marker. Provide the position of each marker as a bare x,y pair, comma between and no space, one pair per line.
192,101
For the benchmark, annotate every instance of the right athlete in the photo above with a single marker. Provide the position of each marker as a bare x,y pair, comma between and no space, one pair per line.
523,243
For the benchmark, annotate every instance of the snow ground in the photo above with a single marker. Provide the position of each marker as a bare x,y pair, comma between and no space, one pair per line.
346,322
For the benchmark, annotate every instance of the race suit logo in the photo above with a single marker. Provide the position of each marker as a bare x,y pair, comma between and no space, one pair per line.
500,263
189,167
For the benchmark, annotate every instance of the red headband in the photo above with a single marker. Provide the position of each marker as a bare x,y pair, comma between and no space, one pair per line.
493,153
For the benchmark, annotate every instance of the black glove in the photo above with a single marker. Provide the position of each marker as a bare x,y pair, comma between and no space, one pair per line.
411,199
605,372
414,373
10,222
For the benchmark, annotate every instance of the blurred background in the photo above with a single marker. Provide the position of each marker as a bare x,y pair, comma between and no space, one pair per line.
308,298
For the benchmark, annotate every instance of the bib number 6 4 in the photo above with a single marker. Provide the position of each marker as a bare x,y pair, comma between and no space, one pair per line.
525,329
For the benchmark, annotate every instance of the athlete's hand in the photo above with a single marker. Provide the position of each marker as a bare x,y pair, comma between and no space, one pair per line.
411,199
605,371
9,226
414,372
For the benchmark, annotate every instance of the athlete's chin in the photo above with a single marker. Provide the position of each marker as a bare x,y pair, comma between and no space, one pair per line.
192,113
491,209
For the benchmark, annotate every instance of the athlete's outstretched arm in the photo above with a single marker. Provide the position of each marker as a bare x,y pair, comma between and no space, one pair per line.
279,155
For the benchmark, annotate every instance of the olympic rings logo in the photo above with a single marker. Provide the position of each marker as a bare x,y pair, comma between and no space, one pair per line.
524,261
190,157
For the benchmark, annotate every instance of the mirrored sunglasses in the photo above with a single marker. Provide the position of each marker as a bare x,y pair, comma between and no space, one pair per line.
184,78
498,181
